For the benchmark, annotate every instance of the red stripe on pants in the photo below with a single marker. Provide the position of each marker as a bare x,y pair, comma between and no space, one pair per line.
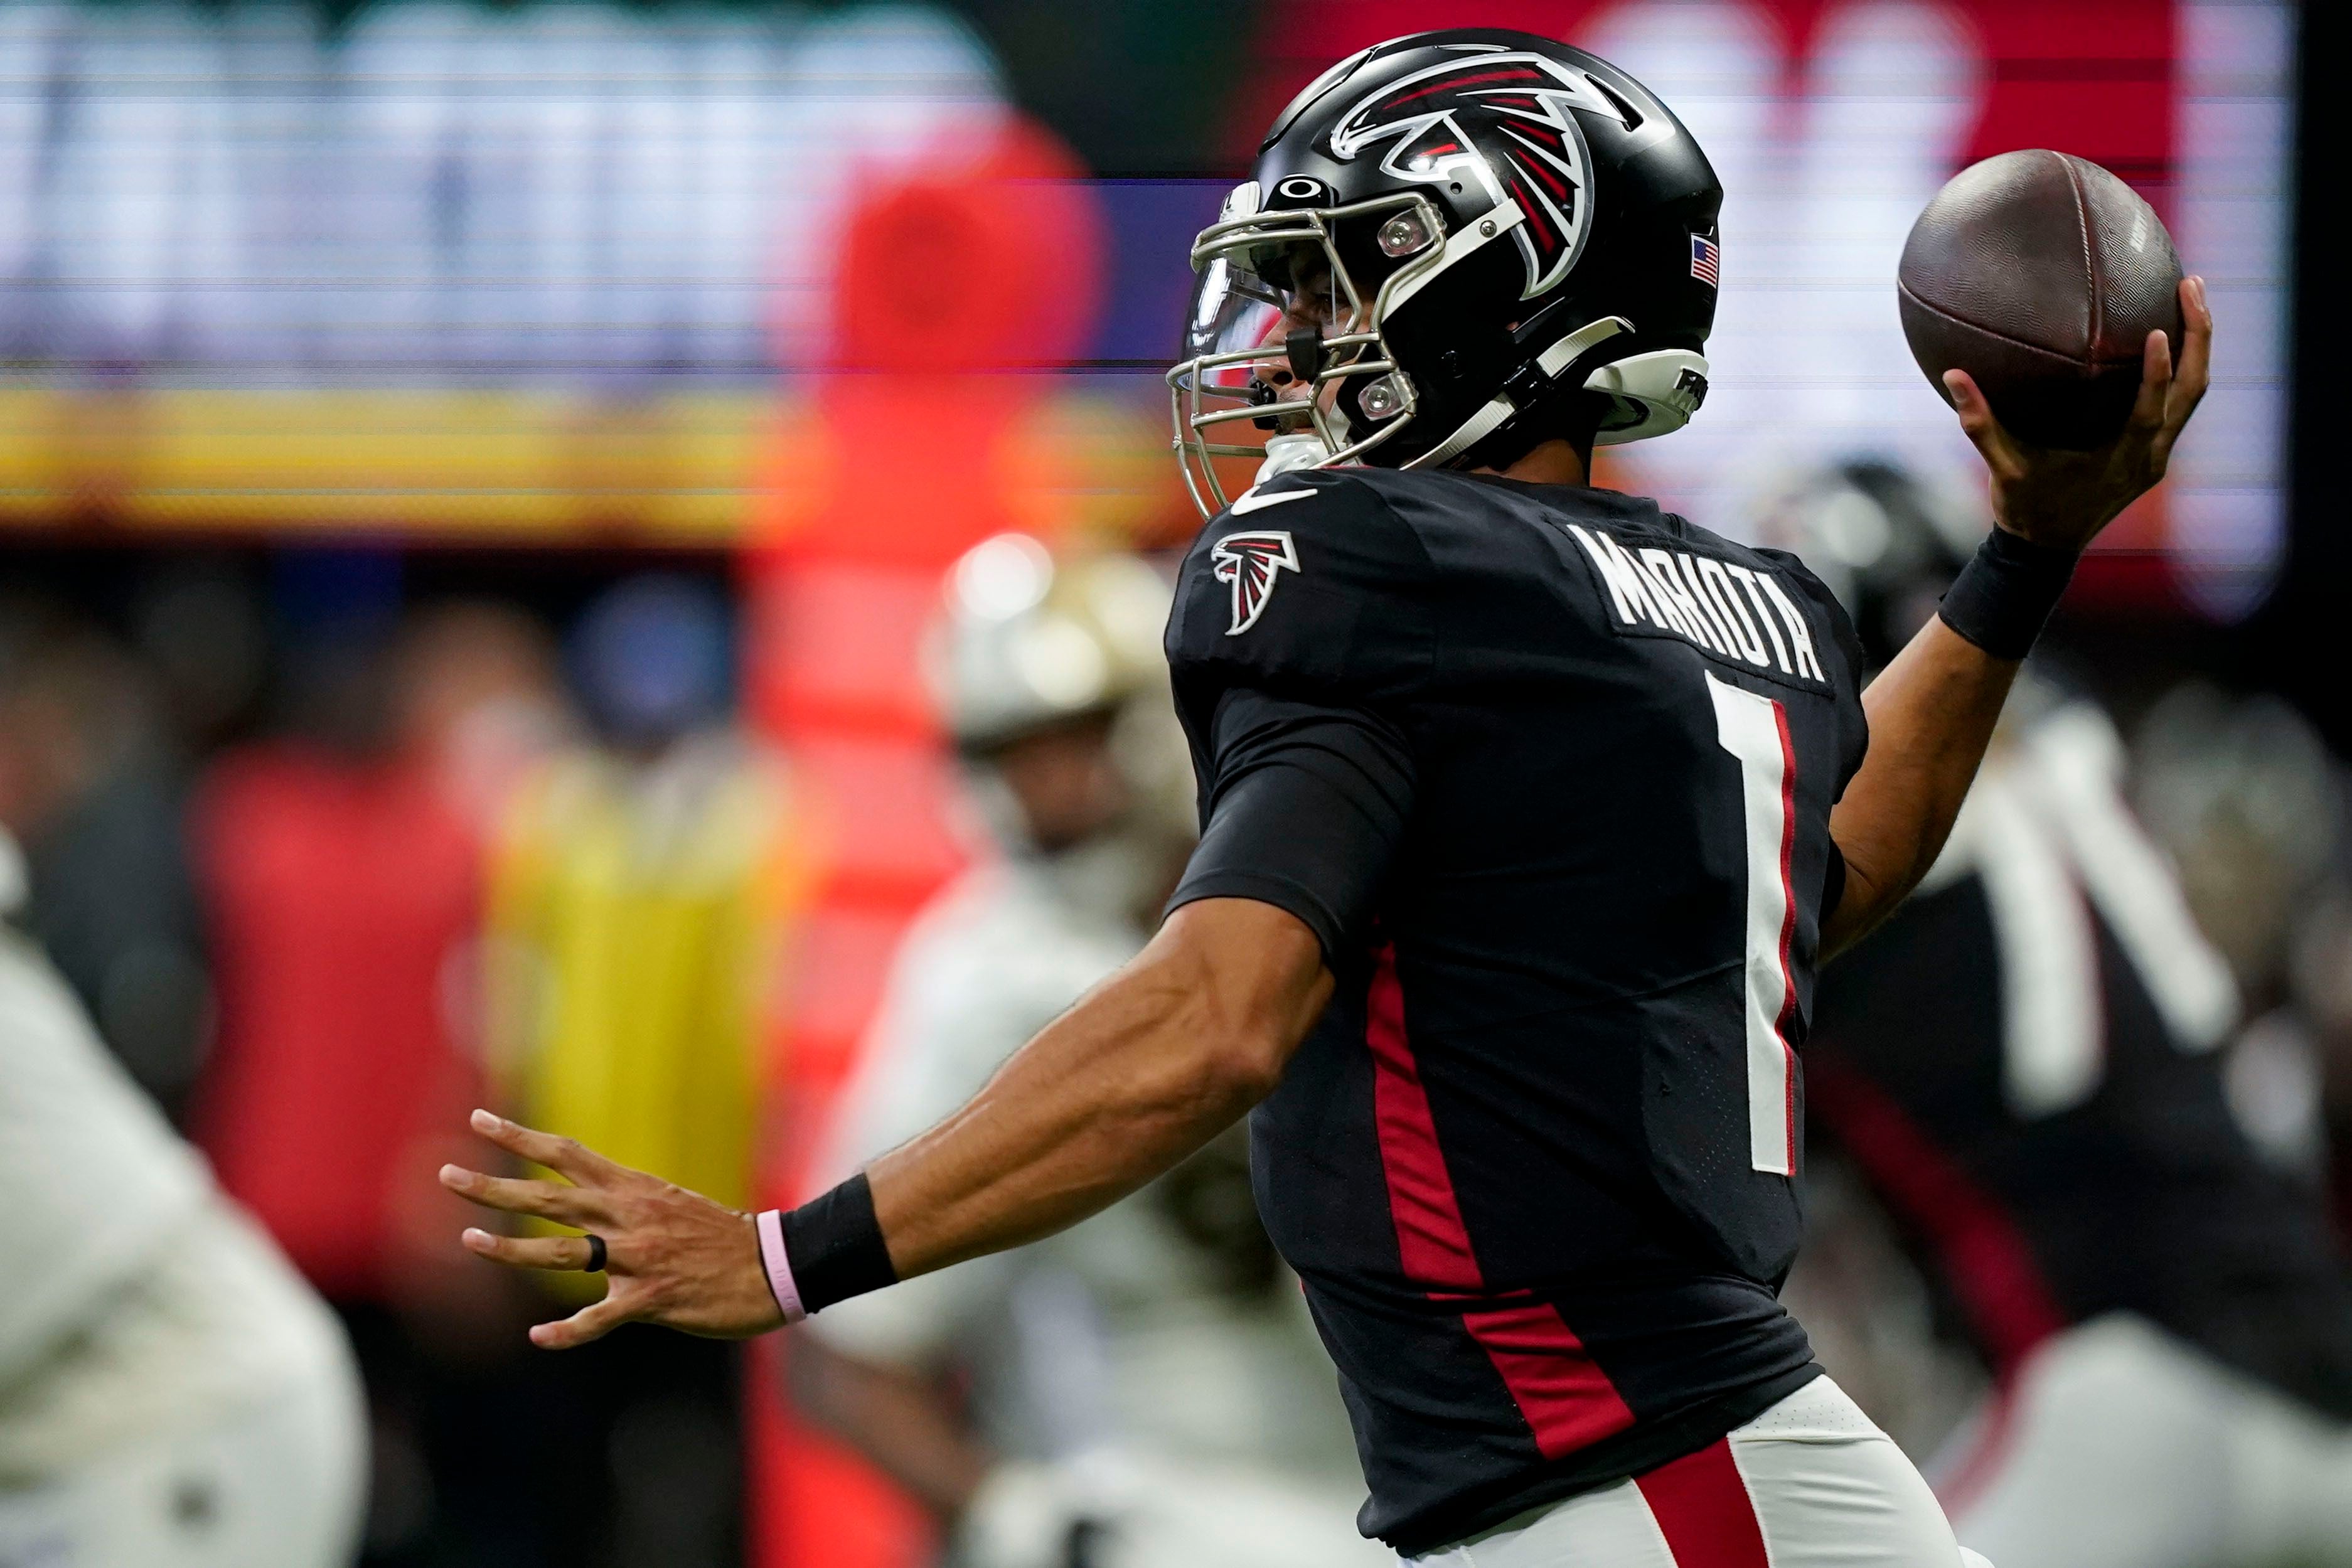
1702,1508
1566,1400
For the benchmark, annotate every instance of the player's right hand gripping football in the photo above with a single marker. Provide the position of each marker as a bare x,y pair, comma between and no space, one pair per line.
2064,499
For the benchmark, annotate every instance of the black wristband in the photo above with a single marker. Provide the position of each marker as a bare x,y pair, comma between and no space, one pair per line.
2006,592
835,1247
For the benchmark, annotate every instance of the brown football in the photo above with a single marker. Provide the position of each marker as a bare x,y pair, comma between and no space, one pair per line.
2042,275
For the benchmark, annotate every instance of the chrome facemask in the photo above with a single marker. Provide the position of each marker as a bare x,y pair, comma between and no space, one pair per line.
1269,290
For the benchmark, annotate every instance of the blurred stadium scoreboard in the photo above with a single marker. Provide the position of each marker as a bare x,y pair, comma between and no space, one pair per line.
529,271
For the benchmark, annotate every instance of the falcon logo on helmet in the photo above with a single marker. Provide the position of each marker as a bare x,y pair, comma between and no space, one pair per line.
1250,563
1503,117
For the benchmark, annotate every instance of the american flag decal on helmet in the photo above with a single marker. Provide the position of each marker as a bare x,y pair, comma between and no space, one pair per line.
1706,261
1250,562
1502,115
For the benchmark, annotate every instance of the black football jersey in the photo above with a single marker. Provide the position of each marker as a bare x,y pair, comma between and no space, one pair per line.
2025,1063
1549,772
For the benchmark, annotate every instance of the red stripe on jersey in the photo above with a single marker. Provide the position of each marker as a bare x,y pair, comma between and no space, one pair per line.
1789,917
1431,1242
1702,1508
1566,1399
1569,1402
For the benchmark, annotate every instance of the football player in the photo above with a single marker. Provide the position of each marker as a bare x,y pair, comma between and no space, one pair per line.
1146,1386
2026,1065
172,1395
1528,811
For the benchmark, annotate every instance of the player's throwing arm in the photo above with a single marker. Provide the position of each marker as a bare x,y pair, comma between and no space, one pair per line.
1932,710
1147,1069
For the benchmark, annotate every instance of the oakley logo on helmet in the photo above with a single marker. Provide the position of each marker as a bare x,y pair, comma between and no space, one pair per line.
1503,117
1250,562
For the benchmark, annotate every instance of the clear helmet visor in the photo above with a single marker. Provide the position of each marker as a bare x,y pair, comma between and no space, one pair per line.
1250,305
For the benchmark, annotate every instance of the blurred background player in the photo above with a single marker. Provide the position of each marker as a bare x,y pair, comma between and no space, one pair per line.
2242,795
1146,1389
638,881
172,1394
2026,1070
92,787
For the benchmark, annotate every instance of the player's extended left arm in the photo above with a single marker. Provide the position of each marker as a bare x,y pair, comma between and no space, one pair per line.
1932,710
1143,1072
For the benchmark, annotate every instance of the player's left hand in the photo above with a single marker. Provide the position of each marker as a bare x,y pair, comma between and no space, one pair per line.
671,1257
2064,499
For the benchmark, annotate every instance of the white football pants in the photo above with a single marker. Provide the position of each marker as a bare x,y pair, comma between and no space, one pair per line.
1810,1483
2121,1447
212,1419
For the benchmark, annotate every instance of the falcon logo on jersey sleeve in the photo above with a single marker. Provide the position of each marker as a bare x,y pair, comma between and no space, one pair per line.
1250,563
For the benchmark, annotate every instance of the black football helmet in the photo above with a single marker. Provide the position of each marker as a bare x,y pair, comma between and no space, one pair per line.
1444,238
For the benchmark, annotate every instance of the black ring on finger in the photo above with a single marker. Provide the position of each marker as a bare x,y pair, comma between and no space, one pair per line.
595,1264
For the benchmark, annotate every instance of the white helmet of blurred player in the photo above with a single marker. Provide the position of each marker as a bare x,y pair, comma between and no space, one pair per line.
1041,663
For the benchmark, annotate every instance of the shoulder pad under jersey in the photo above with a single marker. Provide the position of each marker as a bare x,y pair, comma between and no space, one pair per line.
1309,581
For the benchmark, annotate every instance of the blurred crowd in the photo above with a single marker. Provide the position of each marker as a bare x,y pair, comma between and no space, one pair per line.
330,862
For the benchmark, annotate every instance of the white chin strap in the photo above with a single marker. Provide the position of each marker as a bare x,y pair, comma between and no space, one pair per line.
1288,454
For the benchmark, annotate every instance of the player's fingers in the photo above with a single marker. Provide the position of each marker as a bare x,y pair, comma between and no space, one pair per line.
2196,352
567,1155
589,1323
1976,421
546,1200
2154,384
530,1251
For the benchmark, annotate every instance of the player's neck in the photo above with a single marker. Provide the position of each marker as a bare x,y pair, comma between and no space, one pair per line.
1555,462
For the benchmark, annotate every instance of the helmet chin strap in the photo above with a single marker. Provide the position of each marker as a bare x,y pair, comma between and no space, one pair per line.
1288,454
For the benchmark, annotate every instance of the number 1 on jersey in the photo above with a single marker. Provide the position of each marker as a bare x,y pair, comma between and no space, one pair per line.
1755,730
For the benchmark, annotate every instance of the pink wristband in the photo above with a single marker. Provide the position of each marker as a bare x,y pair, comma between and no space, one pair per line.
770,1227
